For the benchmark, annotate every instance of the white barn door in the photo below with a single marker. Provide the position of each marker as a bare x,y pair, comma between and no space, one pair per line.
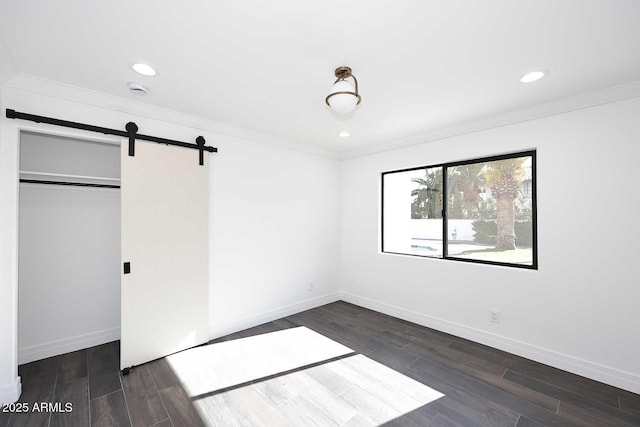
164,306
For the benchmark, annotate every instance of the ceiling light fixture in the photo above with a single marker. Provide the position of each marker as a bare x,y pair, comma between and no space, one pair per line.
344,96
144,69
533,76
344,134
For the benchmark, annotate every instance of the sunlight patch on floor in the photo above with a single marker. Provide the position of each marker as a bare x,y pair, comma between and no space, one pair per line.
266,380
209,368
354,391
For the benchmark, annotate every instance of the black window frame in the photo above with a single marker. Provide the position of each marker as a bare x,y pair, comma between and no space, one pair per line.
445,236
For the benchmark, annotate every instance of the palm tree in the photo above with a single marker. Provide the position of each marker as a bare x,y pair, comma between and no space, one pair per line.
466,181
504,178
427,202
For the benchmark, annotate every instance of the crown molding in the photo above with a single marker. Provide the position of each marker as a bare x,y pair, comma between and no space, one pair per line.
38,85
586,100
41,86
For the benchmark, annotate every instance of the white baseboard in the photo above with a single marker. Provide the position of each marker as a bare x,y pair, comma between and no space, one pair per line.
66,345
270,315
11,392
595,371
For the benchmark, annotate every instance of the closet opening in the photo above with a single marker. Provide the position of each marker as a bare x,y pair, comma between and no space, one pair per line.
69,244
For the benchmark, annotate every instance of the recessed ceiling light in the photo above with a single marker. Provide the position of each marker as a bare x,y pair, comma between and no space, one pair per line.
533,76
144,69
344,134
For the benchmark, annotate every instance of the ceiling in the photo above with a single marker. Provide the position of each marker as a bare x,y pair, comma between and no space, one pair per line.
267,66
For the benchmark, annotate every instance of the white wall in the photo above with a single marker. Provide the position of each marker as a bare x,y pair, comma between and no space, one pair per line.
427,228
274,231
52,154
69,269
397,211
579,311
69,249
259,272
7,70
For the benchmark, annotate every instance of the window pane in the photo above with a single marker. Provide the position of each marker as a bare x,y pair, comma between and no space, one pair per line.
412,212
489,211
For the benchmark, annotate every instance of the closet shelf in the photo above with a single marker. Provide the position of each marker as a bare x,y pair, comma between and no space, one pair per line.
50,176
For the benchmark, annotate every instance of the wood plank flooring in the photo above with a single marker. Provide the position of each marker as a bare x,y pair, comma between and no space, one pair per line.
482,386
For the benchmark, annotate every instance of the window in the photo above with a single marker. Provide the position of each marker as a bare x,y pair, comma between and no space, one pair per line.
481,210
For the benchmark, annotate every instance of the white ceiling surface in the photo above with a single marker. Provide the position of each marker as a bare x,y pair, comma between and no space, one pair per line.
267,66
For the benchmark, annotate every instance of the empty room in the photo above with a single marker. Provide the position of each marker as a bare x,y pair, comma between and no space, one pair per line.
337,213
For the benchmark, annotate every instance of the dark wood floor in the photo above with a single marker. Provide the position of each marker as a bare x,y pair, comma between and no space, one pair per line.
482,386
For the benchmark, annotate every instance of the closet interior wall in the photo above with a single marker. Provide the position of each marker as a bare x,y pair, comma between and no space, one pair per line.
69,246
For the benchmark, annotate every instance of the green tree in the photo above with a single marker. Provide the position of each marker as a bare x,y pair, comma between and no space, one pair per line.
486,208
427,198
464,185
523,211
504,177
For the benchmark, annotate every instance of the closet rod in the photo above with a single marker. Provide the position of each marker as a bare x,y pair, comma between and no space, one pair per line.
12,114
74,184
66,175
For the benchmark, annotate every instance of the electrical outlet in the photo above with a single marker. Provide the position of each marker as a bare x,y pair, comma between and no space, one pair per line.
311,286
494,315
